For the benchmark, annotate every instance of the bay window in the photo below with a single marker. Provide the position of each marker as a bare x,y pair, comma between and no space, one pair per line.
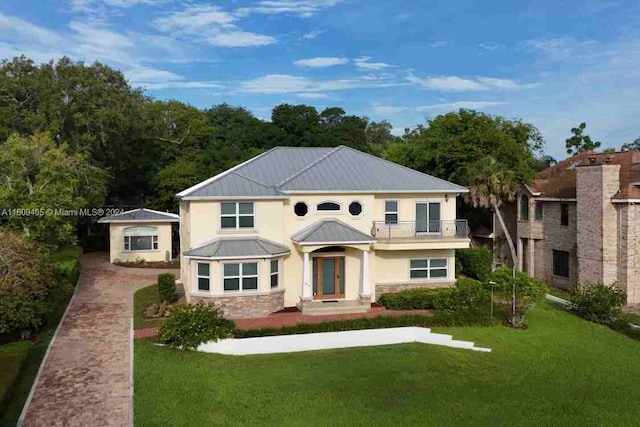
240,277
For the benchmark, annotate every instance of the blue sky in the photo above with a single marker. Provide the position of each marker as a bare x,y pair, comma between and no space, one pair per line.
552,63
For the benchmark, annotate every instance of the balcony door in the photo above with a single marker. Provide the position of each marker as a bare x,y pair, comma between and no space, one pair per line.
428,217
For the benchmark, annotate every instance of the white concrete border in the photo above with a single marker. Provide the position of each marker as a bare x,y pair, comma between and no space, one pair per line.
25,408
332,340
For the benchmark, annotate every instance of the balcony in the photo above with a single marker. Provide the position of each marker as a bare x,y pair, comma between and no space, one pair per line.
411,231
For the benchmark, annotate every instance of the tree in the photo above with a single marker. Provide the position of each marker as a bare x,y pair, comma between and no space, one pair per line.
631,146
39,181
580,142
26,282
491,184
517,289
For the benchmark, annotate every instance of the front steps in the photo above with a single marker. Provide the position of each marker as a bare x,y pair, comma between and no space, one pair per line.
329,307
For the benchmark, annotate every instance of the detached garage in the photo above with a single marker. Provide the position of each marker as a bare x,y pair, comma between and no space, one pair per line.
140,234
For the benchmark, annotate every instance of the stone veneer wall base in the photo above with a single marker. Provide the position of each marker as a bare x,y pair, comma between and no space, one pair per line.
246,306
386,288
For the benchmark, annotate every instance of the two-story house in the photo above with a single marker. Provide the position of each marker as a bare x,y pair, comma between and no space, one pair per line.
579,222
317,228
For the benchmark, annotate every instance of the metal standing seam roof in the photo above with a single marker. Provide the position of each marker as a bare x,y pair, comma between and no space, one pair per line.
141,215
331,230
238,247
298,169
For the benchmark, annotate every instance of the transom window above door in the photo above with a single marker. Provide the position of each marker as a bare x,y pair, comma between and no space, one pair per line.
237,215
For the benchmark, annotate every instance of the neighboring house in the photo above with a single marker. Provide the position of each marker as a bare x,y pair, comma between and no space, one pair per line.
579,222
307,226
140,234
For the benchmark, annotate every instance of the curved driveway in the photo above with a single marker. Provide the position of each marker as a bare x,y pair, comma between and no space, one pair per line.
86,377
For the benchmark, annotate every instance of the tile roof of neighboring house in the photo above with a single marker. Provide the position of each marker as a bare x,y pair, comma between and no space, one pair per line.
282,170
141,215
331,231
238,247
559,181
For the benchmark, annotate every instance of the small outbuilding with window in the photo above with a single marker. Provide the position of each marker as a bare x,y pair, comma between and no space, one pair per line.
140,234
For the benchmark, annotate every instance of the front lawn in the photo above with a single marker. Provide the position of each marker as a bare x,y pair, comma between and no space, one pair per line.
561,371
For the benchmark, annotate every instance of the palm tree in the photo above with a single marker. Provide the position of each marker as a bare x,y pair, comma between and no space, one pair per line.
489,187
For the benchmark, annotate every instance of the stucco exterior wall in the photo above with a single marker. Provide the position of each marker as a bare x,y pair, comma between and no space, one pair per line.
116,243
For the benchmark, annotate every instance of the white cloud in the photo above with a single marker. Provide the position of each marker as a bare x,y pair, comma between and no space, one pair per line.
311,35
489,46
312,95
439,44
387,109
303,8
210,24
459,84
321,62
473,105
284,83
364,64
15,28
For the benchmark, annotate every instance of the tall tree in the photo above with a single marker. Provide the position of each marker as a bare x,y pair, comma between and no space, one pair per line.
631,146
580,142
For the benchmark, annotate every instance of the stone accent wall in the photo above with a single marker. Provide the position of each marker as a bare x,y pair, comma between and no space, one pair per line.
597,236
246,306
387,288
629,252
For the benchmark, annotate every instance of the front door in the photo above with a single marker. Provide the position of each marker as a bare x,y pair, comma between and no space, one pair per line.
328,277
428,217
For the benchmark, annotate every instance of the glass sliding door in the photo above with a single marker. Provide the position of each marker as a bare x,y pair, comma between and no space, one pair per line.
428,217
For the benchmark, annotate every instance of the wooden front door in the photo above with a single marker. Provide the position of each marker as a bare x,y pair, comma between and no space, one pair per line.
328,277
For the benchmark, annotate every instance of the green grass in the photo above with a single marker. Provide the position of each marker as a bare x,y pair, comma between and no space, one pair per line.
632,318
11,357
142,299
559,292
561,371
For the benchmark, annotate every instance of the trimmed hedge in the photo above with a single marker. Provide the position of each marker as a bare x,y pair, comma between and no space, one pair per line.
379,322
193,324
412,299
475,262
167,287
66,263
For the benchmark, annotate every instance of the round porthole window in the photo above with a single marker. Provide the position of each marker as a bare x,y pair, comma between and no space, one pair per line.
355,208
301,209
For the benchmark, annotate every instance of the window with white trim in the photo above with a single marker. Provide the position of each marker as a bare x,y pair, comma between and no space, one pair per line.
236,215
431,268
275,273
240,277
390,211
328,207
141,238
204,276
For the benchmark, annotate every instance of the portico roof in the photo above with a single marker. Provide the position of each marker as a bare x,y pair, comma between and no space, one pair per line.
332,231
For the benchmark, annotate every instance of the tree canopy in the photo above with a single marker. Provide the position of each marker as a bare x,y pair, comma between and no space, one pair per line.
580,142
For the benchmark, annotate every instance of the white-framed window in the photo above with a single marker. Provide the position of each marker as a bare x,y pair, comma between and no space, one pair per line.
240,276
328,207
355,208
143,238
430,268
236,215
203,273
390,211
275,273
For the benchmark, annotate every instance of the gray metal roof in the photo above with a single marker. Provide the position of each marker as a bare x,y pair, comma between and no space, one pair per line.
299,169
239,247
141,215
331,231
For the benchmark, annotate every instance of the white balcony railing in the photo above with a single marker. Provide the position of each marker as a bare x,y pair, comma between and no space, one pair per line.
403,230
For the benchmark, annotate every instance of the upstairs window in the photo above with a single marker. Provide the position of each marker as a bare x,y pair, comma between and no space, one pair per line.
300,209
355,208
524,208
236,215
328,207
564,214
539,211
391,212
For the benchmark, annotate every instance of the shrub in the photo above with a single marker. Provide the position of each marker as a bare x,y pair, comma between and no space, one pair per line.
597,302
411,299
528,290
66,263
167,287
475,262
469,300
193,324
379,322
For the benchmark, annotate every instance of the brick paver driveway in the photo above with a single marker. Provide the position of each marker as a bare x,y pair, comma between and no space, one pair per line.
86,378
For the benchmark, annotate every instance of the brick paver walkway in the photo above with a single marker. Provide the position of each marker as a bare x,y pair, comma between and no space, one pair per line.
86,378
279,320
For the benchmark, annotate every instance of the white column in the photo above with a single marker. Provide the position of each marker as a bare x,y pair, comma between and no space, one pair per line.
532,257
306,277
520,254
365,288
